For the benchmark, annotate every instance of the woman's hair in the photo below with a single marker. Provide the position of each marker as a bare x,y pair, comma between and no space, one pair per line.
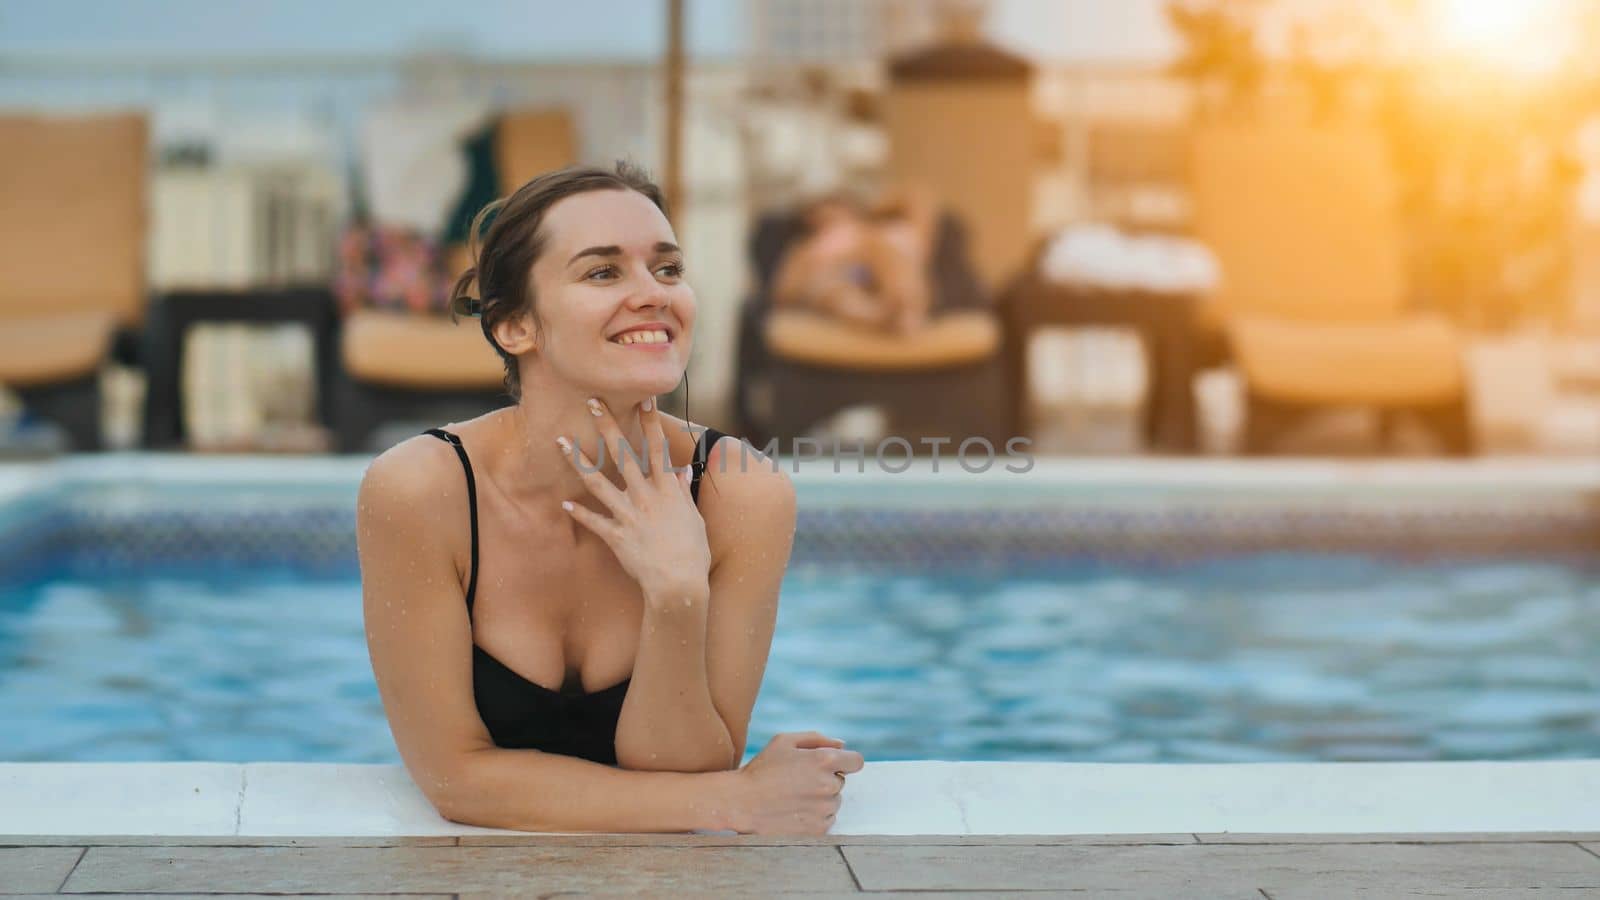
502,267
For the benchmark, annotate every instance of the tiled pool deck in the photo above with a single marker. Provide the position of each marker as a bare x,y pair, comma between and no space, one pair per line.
1249,830
1324,867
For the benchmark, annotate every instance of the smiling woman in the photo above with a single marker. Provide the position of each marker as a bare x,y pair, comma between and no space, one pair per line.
572,639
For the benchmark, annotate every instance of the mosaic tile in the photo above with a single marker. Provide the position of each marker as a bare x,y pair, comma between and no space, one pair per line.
99,530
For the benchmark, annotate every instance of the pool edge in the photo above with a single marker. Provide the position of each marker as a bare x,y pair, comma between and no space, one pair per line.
280,800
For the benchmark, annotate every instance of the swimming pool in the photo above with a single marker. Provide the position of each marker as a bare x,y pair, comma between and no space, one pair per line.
167,612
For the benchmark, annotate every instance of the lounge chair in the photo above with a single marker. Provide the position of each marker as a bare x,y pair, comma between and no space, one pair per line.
72,247
1313,296
421,368
797,368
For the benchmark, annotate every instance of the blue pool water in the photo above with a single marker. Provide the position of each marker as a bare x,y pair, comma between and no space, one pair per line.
1255,657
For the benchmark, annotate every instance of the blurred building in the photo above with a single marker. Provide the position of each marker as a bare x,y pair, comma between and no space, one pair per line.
837,32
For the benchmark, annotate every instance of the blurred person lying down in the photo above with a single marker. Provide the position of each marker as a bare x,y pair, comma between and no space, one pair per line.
862,263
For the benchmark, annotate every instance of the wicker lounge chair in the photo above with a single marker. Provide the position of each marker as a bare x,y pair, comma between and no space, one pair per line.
1313,293
797,368
73,251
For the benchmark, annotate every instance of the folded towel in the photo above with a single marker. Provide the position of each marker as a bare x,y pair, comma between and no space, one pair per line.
1102,256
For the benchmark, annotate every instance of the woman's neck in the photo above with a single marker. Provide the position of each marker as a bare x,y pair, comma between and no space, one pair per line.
531,462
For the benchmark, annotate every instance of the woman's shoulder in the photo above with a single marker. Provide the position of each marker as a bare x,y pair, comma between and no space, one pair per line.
421,466
740,478
726,455
747,502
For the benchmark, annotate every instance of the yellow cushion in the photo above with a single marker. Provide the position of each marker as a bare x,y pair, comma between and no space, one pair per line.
1303,221
949,340
1413,360
72,215
419,351
45,349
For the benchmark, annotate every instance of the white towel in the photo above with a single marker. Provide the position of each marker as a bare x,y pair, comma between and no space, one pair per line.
412,166
1102,256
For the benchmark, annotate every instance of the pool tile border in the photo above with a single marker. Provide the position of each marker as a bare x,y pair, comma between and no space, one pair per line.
110,515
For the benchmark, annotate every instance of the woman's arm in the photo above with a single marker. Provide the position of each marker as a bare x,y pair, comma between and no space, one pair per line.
669,721
901,276
701,659
411,511
527,790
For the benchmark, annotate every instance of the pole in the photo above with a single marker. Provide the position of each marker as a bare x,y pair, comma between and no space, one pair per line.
672,152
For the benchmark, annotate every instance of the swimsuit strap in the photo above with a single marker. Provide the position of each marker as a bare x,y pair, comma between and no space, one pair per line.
702,456
472,508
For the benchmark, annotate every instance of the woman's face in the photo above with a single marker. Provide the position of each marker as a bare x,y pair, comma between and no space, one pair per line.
616,313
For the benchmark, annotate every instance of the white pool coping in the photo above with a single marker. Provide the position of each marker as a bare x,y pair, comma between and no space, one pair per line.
886,798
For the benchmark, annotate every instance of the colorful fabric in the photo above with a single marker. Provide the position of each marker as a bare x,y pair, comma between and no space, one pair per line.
391,268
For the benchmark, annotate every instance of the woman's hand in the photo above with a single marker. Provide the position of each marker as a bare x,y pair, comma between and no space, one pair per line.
654,528
794,785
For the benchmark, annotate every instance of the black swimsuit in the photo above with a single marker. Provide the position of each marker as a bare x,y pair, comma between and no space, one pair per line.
524,715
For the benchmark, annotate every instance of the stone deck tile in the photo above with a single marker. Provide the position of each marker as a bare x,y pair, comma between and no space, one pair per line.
1434,837
1229,870
825,895
520,870
229,897
829,840
1330,892
36,869
159,840
1280,867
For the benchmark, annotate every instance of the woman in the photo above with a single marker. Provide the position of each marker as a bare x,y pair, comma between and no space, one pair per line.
569,627
863,266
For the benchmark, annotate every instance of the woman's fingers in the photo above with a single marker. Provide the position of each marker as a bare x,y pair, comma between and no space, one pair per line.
846,762
810,739
655,440
603,526
627,460
593,479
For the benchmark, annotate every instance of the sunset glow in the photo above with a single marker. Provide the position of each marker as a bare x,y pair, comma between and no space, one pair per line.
1519,34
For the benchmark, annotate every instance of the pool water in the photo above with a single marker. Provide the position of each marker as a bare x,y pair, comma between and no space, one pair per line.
1253,658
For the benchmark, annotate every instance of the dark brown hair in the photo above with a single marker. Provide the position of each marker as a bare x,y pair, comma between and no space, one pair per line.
502,268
